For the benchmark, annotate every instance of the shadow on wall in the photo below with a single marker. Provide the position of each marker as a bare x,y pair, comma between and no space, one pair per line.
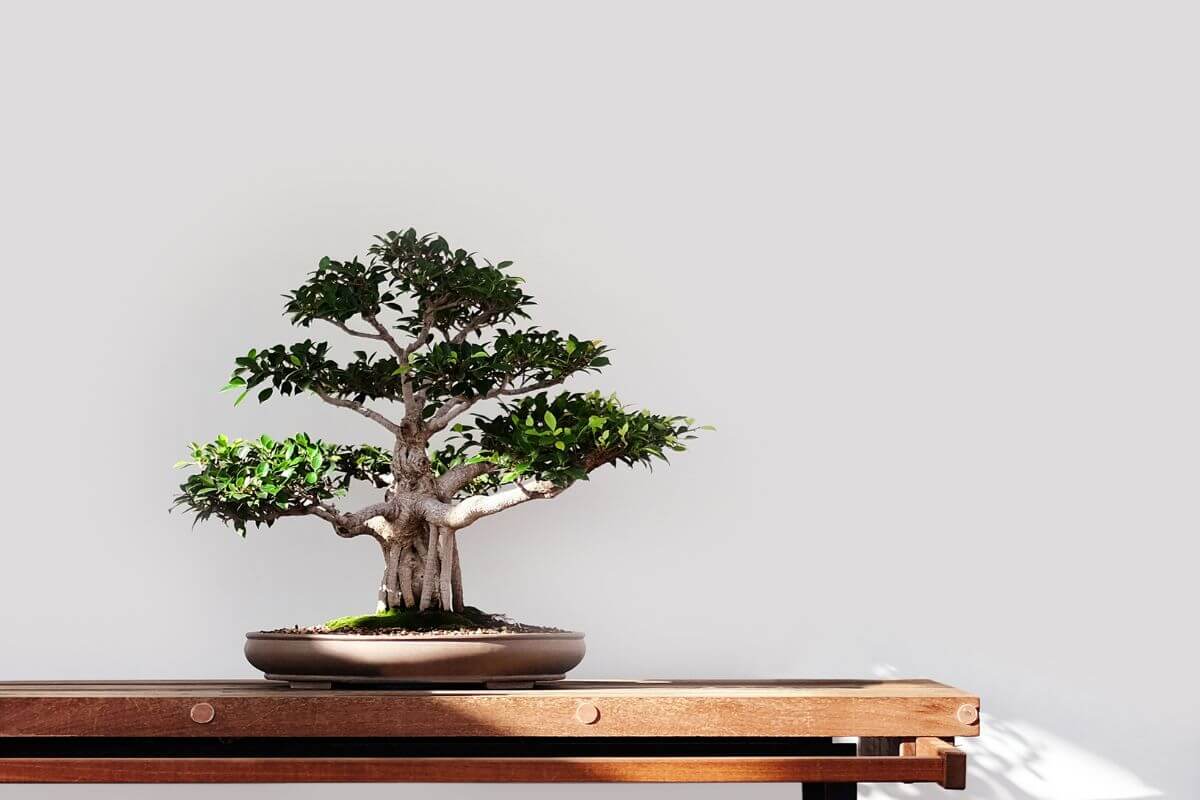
1018,760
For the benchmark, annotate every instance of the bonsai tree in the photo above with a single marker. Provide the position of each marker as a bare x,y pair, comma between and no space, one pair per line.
441,336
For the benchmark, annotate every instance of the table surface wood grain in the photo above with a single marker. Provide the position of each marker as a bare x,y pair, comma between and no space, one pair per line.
690,708
607,731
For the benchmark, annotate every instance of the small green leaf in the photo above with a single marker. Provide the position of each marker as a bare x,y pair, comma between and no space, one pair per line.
310,478
707,428
560,445
265,393
234,383
400,370
551,420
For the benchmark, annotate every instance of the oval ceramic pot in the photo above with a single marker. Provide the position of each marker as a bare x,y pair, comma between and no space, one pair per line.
508,658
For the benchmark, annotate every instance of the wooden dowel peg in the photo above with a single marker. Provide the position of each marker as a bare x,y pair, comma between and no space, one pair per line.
587,713
202,713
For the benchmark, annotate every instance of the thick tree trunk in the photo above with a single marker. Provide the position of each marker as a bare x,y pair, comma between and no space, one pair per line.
389,540
430,579
381,603
407,593
422,568
423,571
389,585
393,575
456,579
446,555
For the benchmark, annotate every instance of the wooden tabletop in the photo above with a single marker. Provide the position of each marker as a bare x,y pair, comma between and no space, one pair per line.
692,708
645,730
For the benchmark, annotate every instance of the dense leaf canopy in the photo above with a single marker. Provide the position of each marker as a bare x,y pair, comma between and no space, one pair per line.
420,278
564,438
338,291
448,284
440,323
523,358
440,371
260,480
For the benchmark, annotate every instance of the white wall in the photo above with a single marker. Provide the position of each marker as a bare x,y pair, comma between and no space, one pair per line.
929,267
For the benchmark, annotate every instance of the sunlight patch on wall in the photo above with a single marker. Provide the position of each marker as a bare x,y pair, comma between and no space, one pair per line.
1038,764
1018,760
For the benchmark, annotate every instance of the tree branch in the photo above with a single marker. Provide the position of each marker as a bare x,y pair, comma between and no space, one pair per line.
473,324
462,514
361,334
422,335
412,410
402,352
457,477
528,387
349,525
474,508
374,510
448,411
456,405
384,335
359,408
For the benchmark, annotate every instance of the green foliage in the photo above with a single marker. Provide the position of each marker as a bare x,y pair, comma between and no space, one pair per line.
415,279
307,365
414,276
419,285
524,357
465,369
461,449
260,480
431,619
338,291
561,440
447,283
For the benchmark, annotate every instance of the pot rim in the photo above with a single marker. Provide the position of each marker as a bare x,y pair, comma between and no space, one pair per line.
413,637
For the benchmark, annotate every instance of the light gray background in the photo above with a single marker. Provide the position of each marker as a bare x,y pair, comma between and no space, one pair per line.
930,268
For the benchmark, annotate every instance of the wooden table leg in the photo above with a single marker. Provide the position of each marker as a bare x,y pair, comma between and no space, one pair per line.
829,791
880,745
954,761
832,791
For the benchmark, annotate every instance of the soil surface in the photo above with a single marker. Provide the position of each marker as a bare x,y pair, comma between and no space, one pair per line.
516,627
399,622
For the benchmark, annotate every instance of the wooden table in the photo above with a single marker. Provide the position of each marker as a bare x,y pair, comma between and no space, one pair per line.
596,731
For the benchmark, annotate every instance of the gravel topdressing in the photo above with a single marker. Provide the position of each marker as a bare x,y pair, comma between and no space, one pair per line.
512,627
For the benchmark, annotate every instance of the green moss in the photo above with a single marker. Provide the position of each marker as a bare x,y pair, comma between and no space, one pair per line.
411,620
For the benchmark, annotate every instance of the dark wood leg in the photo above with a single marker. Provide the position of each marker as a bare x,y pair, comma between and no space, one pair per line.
830,791
880,745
